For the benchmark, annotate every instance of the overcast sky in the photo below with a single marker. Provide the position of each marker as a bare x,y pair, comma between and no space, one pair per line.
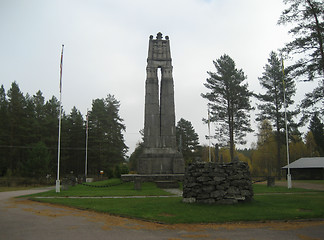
106,46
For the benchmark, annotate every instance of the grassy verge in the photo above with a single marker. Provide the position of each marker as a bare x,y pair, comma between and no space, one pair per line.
172,210
260,189
112,187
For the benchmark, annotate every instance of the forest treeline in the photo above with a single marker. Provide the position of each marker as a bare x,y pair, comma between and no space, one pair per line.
29,136
29,124
262,156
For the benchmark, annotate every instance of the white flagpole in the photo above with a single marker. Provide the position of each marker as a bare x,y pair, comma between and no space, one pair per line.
59,131
86,153
209,152
287,140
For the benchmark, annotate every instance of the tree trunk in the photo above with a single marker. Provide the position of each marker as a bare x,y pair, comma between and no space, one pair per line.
231,130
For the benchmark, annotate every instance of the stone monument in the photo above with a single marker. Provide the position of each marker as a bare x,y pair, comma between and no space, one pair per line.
160,155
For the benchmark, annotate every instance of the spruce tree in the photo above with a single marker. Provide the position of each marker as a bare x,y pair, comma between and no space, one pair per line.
17,126
4,131
39,115
50,135
74,141
106,141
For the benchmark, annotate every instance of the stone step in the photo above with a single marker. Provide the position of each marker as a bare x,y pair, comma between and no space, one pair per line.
167,184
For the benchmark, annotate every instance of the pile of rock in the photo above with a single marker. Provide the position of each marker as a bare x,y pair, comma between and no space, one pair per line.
217,183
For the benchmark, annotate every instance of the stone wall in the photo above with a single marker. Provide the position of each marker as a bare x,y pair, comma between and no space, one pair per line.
217,183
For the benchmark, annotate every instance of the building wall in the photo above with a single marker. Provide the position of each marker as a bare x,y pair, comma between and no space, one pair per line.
307,173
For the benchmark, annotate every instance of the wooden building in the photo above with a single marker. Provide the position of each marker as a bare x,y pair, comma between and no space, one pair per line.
307,168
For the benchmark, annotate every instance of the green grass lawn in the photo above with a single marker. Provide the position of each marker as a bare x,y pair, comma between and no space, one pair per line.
261,188
172,210
299,204
320,182
112,187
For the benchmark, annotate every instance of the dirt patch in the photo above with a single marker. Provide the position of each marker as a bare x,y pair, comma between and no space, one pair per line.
303,237
199,236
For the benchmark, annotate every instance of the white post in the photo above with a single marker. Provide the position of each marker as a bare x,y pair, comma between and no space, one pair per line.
57,188
209,152
86,152
59,150
286,125
287,146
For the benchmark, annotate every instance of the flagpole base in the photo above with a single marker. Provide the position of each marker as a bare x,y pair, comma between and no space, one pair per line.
58,186
289,181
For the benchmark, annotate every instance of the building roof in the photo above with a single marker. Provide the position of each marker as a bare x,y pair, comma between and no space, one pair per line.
307,162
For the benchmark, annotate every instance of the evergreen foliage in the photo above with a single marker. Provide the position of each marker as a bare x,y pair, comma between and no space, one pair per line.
134,158
37,163
272,101
307,18
29,131
106,141
311,145
229,99
187,139
317,129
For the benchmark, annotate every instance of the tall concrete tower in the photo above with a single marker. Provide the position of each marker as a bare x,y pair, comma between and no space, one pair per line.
160,155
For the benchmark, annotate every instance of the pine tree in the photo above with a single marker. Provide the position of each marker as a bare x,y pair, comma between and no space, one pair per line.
272,101
307,17
229,99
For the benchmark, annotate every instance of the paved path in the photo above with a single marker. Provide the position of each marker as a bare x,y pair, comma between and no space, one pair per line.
21,219
305,185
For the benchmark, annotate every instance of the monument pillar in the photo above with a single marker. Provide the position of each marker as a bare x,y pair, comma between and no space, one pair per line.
160,155
152,109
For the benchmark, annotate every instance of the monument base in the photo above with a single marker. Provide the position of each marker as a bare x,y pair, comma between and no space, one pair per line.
160,161
152,177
